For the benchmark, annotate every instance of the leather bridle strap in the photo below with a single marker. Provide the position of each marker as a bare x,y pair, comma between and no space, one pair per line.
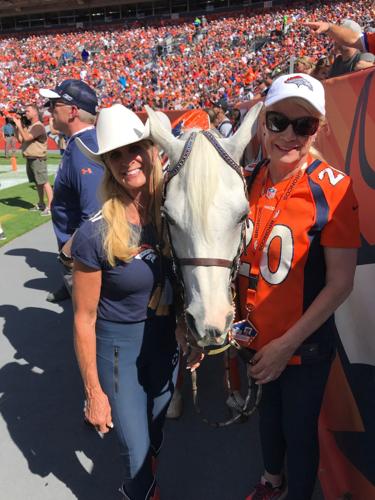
205,262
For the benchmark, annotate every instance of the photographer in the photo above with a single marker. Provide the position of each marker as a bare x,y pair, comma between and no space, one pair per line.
33,139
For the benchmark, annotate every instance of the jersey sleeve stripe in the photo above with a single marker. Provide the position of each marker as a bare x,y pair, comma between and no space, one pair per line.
314,165
322,208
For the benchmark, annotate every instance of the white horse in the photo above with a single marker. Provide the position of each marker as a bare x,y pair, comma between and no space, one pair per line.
206,207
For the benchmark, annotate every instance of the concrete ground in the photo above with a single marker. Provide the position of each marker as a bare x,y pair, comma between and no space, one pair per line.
47,452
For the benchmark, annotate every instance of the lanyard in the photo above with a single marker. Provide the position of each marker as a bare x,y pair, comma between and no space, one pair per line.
259,240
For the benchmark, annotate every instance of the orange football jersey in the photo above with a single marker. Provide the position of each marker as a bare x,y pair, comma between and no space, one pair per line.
321,211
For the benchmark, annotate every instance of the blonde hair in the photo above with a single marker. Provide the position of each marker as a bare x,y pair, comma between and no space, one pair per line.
120,239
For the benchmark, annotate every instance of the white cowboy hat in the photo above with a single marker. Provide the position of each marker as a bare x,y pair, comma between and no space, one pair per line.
116,127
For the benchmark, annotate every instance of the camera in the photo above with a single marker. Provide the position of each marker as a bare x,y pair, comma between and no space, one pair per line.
25,122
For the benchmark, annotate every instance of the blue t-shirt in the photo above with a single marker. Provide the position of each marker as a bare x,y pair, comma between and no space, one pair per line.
75,191
126,288
8,129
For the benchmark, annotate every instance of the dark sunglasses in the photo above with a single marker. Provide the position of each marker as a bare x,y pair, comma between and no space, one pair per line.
277,122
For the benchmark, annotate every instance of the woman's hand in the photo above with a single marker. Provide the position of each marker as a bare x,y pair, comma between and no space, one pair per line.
270,361
98,412
194,354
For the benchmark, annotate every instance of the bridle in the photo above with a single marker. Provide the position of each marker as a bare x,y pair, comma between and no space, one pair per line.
178,262
253,394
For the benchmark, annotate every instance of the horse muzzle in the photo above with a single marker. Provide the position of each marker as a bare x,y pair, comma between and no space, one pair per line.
208,335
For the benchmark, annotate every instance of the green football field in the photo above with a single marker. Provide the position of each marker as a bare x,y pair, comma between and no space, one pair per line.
16,201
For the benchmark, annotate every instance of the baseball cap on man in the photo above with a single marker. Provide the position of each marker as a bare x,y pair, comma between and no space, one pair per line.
297,85
74,92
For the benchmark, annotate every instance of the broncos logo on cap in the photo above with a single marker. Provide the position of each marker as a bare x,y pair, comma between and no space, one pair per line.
299,81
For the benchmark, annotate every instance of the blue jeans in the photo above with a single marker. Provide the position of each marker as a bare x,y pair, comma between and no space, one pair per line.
137,366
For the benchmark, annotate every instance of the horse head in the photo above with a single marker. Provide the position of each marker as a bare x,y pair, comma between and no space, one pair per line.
206,208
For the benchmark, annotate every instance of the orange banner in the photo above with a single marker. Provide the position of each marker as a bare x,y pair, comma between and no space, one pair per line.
347,423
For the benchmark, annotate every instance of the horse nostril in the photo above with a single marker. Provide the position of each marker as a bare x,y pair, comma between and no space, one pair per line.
190,321
214,332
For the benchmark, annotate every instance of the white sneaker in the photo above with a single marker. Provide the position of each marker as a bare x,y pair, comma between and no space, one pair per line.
175,406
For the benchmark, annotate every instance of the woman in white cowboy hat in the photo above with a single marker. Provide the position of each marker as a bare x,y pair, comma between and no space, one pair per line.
124,320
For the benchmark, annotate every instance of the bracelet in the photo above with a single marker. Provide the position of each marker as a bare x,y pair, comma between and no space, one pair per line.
65,257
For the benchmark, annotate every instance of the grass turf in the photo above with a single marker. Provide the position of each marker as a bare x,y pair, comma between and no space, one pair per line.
53,159
15,215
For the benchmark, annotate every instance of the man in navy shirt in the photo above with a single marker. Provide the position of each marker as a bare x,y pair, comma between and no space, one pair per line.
73,105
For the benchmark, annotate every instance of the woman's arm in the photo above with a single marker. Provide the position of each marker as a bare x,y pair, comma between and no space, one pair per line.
86,293
271,360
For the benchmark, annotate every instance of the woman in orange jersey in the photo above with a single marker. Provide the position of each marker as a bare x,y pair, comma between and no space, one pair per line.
298,268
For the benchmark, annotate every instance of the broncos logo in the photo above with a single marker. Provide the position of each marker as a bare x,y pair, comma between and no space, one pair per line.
299,81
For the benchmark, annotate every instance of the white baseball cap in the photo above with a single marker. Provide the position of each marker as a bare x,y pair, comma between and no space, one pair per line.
297,85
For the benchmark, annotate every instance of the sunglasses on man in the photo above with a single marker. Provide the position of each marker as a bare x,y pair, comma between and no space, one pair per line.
57,104
304,126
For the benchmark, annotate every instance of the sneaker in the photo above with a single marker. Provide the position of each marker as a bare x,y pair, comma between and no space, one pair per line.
2,236
175,406
59,295
265,491
46,212
37,208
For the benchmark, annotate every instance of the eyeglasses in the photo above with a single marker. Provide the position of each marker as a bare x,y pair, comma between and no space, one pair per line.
54,104
277,122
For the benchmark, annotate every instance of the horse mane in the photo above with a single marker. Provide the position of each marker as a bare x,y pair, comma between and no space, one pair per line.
202,178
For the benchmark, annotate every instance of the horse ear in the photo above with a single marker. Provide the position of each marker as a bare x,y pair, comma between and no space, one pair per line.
161,136
236,144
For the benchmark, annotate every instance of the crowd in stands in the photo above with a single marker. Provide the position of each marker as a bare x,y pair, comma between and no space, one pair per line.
176,66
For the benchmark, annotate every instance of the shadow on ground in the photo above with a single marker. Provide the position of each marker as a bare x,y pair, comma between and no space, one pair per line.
16,201
44,262
42,397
